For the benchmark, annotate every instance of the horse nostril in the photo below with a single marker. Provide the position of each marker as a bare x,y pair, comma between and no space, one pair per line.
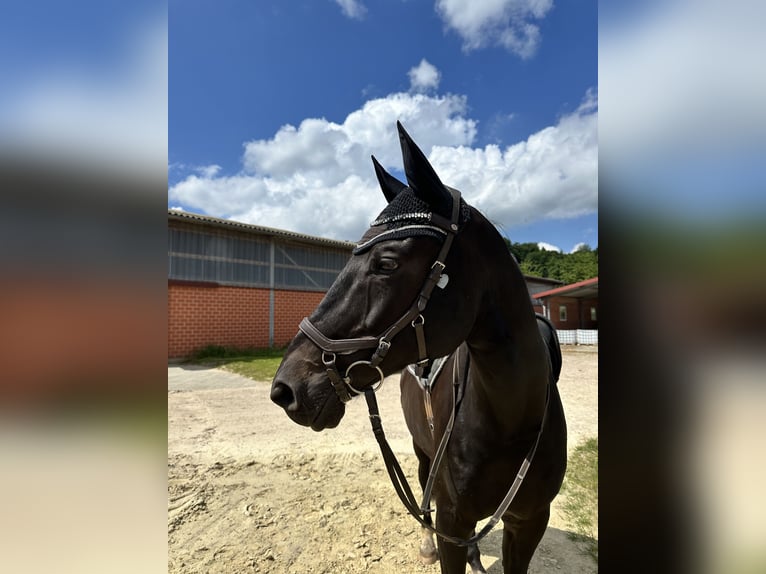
283,395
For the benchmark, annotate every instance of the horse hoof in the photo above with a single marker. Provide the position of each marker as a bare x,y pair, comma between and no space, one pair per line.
429,558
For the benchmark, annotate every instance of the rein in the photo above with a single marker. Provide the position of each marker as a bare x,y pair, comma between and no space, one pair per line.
399,480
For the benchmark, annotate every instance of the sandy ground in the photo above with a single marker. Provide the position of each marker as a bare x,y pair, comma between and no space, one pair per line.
250,491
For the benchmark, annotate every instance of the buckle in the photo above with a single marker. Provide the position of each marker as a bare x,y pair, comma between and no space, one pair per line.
380,352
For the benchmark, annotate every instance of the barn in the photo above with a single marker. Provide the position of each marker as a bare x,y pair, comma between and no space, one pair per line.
573,310
537,285
244,286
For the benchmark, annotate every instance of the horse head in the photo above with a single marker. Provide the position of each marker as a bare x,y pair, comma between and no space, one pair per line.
393,302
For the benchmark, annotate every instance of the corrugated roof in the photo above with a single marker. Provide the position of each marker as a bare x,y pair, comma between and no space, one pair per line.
178,215
586,288
543,279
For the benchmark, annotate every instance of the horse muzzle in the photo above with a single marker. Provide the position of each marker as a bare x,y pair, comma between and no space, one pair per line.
309,401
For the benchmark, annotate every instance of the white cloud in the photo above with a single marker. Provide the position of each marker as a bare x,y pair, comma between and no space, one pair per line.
577,247
208,170
352,9
507,23
553,174
548,247
204,170
330,151
317,178
423,77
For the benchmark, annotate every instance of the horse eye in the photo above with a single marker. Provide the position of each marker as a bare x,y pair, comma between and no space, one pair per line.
386,264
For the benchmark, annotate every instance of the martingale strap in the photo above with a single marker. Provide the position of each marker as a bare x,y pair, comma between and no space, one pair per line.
403,489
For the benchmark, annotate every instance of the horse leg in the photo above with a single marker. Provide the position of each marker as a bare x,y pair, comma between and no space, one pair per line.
453,558
428,553
520,539
474,558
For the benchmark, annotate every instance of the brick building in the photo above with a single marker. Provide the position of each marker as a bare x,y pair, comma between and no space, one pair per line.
242,286
245,286
573,306
537,285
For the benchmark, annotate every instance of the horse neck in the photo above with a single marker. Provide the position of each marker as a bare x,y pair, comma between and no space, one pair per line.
509,363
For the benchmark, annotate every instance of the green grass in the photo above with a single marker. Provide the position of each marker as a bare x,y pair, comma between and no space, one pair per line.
580,492
257,364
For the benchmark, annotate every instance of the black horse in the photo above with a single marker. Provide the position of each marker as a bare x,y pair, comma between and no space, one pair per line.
433,278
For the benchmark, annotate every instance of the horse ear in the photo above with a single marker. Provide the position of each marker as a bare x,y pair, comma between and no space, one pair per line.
421,176
388,183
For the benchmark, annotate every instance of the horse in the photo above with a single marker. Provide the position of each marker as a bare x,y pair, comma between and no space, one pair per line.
433,278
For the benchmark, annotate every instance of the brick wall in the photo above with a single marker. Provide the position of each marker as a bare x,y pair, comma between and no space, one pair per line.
289,308
578,313
202,314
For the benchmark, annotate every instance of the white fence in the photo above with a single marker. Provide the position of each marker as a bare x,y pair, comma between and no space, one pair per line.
578,336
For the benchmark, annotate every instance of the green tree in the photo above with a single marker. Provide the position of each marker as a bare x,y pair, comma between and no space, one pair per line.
566,267
521,250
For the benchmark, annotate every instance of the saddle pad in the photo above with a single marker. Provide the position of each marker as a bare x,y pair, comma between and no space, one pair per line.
436,367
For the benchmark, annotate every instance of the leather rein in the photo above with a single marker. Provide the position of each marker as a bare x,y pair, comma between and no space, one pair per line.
346,390
399,480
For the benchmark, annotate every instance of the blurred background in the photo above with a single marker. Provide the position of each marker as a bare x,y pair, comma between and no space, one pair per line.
83,182
83,178
682,136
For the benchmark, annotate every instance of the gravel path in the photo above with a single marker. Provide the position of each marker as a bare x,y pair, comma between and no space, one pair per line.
250,491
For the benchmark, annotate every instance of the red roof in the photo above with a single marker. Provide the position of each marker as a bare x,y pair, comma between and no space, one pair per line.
585,288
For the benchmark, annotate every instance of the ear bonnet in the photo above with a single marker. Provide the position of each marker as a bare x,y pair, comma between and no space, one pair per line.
407,216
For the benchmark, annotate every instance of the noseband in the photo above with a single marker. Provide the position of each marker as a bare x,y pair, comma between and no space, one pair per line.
413,316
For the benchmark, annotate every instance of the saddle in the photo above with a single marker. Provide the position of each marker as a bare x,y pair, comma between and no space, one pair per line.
548,333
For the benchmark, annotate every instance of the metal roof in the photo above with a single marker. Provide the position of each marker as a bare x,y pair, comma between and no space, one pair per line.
543,280
178,215
581,289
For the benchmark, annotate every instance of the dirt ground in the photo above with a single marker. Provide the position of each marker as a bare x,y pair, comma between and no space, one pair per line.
250,491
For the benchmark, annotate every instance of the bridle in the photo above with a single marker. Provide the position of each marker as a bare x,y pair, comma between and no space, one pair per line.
413,316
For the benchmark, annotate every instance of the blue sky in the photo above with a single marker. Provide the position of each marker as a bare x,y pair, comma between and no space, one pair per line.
275,108
681,120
